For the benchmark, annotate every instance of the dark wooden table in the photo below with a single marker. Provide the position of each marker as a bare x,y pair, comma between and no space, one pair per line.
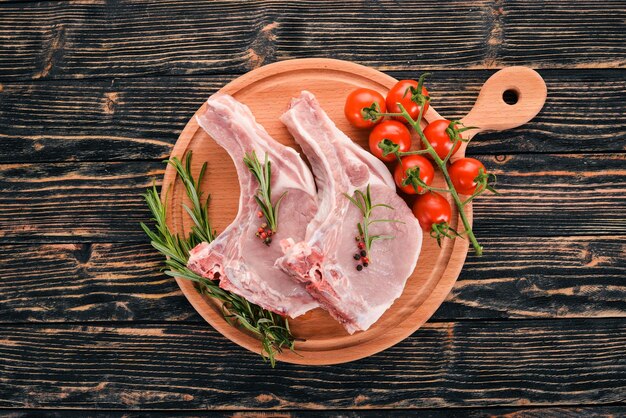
93,95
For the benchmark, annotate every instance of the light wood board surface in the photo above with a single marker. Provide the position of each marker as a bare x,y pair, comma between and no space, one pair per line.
267,91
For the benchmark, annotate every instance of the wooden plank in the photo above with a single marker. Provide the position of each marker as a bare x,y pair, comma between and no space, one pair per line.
562,277
542,195
505,363
69,202
541,277
122,38
545,195
520,412
141,118
85,282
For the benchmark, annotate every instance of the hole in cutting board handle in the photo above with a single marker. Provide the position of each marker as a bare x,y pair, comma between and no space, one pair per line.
510,96
495,109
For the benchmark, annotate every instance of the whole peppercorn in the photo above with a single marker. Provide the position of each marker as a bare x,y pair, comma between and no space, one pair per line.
359,267
357,256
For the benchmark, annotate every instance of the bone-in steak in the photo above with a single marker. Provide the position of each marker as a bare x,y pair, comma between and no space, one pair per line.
241,262
324,260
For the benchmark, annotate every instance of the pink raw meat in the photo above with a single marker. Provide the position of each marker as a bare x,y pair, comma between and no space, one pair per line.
324,261
243,264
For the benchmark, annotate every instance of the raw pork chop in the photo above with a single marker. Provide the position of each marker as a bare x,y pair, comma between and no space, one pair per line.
243,264
324,261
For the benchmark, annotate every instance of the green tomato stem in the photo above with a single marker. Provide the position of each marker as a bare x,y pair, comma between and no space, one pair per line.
417,152
456,141
436,189
383,114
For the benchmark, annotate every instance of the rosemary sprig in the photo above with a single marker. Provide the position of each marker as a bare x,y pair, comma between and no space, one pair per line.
363,201
263,174
270,328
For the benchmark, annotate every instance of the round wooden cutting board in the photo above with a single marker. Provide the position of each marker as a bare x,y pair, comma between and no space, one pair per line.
268,91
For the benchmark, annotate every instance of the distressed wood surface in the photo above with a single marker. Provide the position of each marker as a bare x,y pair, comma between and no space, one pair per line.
560,277
542,195
169,366
140,118
519,412
93,94
128,38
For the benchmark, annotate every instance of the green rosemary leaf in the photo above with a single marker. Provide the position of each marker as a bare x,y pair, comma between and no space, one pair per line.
277,205
264,209
375,237
272,330
263,174
354,201
382,205
248,326
192,215
268,176
363,201
184,275
201,175
385,220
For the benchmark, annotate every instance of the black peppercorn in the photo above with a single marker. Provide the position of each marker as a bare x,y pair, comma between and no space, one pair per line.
363,253
359,267
357,257
365,264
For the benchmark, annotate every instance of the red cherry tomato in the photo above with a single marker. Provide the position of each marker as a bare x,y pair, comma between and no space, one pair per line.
401,92
463,173
394,131
431,208
359,100
409,166
436,134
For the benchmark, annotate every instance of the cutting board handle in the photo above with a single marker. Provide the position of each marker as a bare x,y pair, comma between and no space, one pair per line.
523,86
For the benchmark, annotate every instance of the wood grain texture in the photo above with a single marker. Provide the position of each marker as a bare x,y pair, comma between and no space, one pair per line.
541,277
511,363
101,202
561,277
131,119
128,38
554,195
538,261
520,412
72,202
88,282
